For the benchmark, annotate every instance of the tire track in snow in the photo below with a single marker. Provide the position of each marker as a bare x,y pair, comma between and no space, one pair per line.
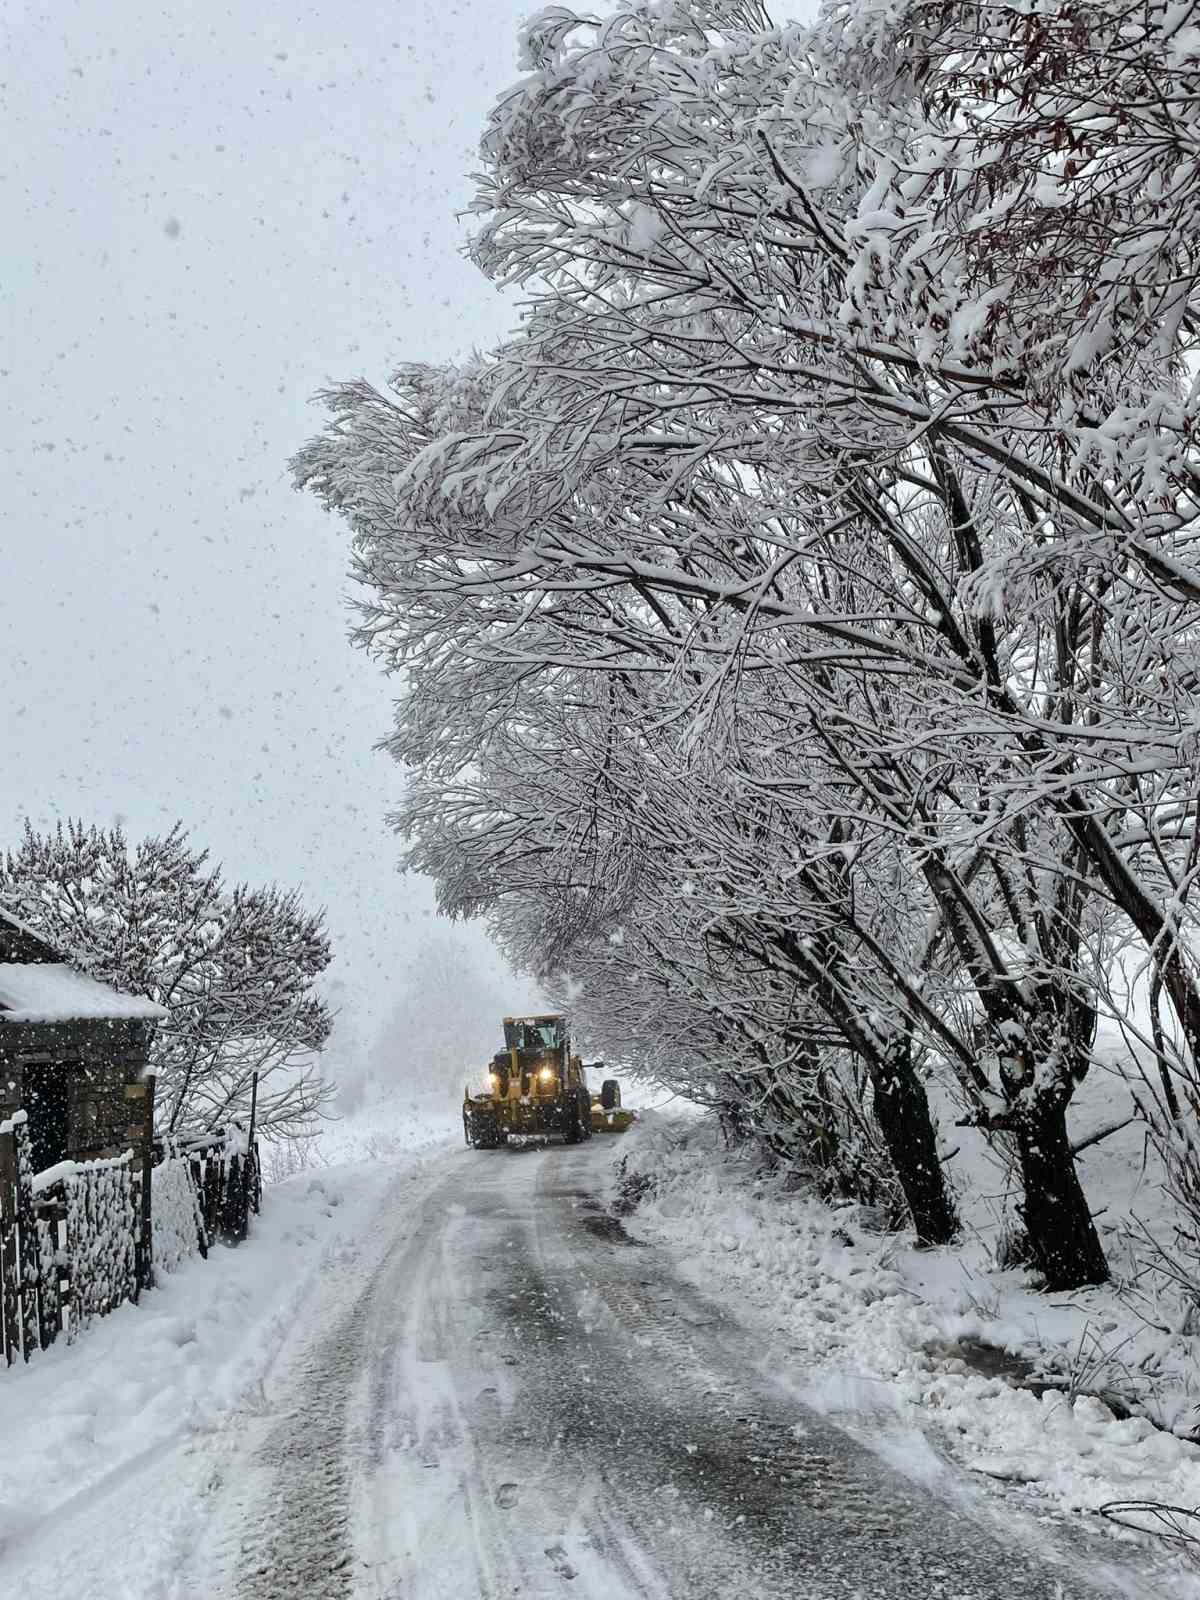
437,1393
296,1541
465,1495
293,1502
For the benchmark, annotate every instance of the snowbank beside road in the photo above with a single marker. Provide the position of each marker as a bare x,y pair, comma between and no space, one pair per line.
863,1325
388,1129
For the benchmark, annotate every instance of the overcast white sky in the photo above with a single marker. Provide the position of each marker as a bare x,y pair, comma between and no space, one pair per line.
208,212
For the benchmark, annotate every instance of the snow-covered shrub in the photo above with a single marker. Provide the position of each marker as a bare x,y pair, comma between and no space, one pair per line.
863,1172
178,1221
1012,1247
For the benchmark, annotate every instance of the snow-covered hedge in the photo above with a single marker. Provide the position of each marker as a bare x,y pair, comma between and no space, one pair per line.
178,1222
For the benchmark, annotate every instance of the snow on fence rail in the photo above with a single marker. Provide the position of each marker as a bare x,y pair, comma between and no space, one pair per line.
83,1237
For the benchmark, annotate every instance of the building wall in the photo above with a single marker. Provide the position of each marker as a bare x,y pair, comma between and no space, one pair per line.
103,1063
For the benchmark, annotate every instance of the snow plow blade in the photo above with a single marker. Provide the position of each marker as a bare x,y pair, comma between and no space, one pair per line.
608,1116
615,1121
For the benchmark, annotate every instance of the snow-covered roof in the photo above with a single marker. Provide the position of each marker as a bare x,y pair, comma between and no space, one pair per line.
23,927
50,991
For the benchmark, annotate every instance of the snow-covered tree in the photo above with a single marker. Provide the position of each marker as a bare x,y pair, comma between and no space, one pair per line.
864,517
236,967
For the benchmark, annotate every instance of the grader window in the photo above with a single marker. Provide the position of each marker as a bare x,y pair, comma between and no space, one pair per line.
529,1034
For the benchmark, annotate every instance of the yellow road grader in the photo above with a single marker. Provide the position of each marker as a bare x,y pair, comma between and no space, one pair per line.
536,1086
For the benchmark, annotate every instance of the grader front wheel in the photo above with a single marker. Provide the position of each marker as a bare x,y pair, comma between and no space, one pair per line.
582,1114
578,1121
482,1131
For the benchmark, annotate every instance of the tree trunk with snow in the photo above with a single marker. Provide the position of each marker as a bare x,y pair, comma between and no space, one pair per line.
902,1111
1063,1240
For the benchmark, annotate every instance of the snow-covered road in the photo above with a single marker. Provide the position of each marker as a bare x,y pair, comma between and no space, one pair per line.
502,1394
474,1383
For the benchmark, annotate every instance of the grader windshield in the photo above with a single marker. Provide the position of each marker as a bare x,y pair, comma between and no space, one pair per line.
534,1033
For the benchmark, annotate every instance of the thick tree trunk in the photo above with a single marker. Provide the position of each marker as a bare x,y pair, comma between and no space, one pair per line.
902,1112
1063,1240
901,1105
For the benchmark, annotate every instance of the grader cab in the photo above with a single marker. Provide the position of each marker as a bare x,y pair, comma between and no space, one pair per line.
536,1086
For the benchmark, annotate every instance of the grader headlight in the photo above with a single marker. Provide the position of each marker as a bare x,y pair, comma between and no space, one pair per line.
547,1074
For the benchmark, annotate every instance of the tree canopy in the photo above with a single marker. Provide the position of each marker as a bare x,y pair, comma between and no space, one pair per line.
797,614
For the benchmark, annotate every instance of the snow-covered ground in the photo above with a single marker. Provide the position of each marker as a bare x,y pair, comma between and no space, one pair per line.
146,1459
872,1331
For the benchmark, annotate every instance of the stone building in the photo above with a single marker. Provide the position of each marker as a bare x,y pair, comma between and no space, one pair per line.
73,1052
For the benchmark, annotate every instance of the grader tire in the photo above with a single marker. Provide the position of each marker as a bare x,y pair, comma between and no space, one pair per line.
484,1133
573,1131
610,1094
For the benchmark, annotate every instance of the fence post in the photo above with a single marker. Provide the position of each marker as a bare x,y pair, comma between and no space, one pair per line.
197,1172
26,1238
10,1268
46,1225
145,1255
250,1164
